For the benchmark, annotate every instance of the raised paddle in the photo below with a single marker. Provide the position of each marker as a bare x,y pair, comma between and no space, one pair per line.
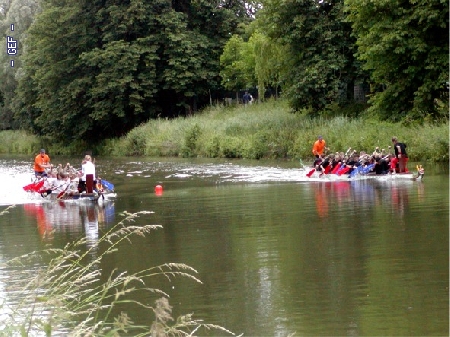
34,187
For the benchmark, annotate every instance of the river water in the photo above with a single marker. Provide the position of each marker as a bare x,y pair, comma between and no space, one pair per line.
278,254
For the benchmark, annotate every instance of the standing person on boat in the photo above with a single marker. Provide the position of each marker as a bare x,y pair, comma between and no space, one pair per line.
41,162
400,158
319,147
87,167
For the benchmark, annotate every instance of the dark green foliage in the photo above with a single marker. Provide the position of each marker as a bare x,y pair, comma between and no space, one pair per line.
20,13
96,69
320,49
137,142
190,141
405,47
231,147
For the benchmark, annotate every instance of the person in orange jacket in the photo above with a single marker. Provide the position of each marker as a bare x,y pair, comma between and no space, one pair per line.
41,162
319,147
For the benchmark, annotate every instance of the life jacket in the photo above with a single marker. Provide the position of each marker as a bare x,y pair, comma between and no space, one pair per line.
336,168
343,170
99,186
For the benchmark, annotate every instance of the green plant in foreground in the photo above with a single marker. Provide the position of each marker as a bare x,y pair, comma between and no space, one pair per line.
65,296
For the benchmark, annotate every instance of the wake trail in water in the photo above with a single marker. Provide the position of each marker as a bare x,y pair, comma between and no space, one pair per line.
13,178
237,173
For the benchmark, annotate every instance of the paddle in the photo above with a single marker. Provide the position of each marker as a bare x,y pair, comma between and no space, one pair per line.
108,185
61,194
362,170
34,187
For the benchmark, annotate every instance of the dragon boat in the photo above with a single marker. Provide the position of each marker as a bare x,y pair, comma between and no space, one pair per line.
44,188
365,173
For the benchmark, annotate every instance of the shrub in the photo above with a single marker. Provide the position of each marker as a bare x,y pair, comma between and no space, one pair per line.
137,142
190,141
211,147
231,147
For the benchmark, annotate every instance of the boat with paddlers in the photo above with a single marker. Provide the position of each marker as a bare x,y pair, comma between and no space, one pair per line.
63,189
319,176
361,165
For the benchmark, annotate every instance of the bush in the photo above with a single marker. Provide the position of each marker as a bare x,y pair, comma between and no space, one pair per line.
137,142
211,147
231,147
268,130
189,148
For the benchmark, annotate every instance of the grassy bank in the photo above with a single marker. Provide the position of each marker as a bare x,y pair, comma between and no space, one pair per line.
269,130
266,130
19,142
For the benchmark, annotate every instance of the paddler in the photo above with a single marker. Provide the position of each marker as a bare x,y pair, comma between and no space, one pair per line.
41,162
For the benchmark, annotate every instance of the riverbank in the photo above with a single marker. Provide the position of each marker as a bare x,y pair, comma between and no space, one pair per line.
267,130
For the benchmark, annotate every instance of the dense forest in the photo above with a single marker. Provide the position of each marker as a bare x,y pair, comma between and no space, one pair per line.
98,68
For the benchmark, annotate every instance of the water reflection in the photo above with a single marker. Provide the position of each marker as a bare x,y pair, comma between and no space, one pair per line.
71,218
393,196
277,254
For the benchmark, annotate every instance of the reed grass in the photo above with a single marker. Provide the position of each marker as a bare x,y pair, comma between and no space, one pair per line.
266,130
66,297
271,130
19,142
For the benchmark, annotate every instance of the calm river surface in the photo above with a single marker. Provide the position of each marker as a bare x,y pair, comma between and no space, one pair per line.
277,255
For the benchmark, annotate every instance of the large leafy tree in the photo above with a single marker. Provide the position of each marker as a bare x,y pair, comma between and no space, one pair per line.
319,50
20,14
269,62
98,68
404,45
237,62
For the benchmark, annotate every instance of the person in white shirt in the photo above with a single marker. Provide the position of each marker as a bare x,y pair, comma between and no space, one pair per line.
87,167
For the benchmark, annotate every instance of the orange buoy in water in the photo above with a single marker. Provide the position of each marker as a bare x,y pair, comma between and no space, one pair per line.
158,190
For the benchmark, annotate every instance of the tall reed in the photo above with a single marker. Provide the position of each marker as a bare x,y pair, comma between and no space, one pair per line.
267,130
19,142
271,130
66,297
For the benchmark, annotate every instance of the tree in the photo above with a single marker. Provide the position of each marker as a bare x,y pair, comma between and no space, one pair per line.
96,69
20,14
269,62
321,68
404,45
237,64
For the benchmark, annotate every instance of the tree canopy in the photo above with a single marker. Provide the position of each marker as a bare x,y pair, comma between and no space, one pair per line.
20,14
319,50
98,68
404,46
95,69
400,47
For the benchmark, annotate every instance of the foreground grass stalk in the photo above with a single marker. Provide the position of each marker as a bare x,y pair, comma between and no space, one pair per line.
66,296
